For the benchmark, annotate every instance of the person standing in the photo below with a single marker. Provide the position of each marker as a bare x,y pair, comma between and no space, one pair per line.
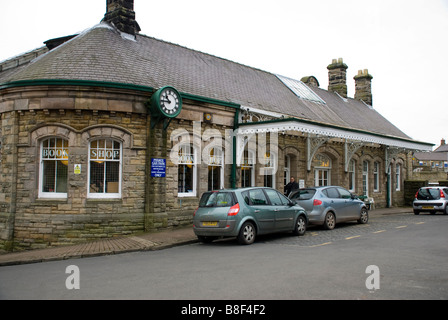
292,185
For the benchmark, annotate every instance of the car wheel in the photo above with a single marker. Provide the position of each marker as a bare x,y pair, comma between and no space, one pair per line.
330,221
364,218
300,227
247,233
416,212
446,209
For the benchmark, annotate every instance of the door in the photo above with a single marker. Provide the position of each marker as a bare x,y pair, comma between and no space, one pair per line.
350,207
284,213
261,210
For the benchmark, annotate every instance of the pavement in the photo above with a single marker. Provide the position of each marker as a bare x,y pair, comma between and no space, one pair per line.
143,242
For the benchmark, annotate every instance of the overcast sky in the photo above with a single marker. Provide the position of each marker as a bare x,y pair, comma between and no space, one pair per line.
403,43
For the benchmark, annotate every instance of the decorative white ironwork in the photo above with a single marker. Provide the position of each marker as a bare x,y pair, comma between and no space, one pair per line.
313,144
350,149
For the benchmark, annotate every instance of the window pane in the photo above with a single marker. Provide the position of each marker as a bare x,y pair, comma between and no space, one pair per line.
61,176
273,196
112,177
48,182
54,163
257,197
185,176
96,177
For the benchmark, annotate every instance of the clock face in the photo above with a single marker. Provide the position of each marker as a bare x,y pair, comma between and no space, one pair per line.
169,101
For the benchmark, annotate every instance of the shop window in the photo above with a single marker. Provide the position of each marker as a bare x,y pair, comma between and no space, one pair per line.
105,156
186,173
53,168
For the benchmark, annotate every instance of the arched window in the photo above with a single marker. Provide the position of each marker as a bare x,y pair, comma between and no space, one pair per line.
322,170
105,157
53,168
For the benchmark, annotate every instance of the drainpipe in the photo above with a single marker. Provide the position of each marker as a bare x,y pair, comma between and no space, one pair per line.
235,128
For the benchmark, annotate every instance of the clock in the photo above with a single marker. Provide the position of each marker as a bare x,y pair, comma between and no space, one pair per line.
166,102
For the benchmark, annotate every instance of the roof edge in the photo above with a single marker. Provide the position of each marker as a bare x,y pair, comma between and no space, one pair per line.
330,126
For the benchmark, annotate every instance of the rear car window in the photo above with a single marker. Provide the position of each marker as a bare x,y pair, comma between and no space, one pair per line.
428,194
217,199
303,194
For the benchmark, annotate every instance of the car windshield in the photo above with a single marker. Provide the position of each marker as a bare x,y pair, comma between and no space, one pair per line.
428,194
217,199
303,194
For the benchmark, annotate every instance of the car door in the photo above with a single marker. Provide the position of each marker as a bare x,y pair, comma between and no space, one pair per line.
283,213
260,208
335,203
349,207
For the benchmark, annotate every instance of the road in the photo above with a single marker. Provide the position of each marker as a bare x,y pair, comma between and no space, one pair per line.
409,252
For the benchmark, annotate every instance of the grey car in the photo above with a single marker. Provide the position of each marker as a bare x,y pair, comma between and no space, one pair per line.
330,205
431,199
245,213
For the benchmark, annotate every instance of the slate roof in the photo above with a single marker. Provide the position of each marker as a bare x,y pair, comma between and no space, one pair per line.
102,53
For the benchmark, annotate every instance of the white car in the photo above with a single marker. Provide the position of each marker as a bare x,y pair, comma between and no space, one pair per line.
431,199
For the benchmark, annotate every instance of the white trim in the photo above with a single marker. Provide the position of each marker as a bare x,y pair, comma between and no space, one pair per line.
104,195
50,195
317,129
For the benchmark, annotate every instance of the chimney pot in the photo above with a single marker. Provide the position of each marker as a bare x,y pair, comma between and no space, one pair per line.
337,77
363,86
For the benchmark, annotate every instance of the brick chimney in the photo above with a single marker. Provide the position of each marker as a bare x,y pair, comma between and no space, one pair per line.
442,142
121,14
337,77
363,86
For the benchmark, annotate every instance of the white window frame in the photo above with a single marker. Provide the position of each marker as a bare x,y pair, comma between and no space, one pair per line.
324,167
249,164
41,193
270,165
287,170
217,160
365,178
376,176
194,166
104,195
352,175
397,177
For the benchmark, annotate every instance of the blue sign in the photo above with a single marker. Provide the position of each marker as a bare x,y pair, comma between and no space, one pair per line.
158,168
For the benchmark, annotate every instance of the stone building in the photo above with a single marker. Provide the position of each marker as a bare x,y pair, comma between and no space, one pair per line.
431,166
111,132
